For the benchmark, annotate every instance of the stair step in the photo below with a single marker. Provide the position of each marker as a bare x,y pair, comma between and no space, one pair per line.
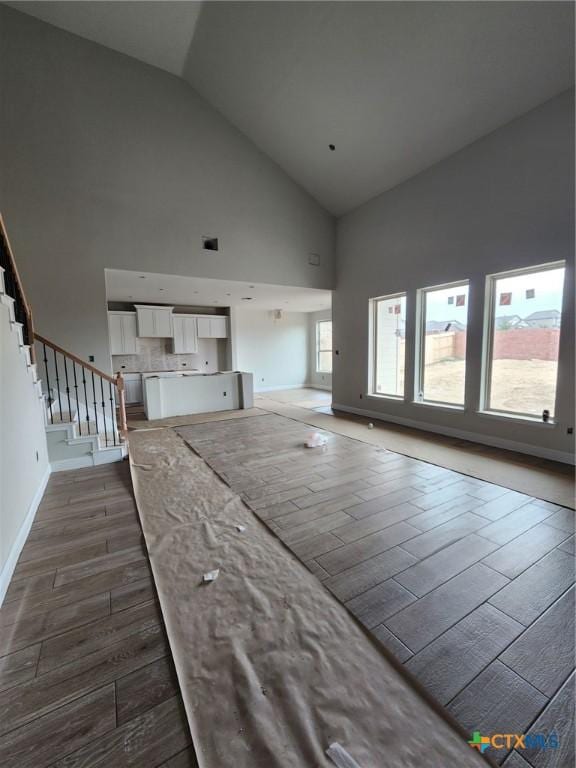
65,417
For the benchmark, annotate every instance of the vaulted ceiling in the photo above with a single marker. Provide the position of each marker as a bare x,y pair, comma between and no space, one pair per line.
394,86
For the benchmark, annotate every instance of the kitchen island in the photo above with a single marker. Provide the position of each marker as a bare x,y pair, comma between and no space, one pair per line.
182,394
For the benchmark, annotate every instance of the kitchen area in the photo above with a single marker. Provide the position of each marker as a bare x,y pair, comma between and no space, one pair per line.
175,360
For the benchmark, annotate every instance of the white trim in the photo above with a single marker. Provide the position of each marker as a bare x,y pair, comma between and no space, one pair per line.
107,455
304,385
79,462
10,564
473,437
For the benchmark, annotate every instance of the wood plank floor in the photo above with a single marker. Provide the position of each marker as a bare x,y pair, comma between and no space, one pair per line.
469,584
86,675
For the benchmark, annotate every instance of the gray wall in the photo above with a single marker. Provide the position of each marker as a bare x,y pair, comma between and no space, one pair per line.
24,467
275,351
107,162
504,202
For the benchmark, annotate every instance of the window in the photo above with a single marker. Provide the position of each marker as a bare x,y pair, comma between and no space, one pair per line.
388,345
524,314
441,372
324,346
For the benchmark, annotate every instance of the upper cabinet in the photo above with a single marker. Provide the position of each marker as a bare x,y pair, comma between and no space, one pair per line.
122,329
155,322
185,334
215,327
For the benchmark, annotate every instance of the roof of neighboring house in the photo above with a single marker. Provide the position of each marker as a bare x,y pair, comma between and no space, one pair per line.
507,320
544,314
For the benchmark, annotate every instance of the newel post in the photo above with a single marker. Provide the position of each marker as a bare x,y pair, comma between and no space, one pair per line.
121,403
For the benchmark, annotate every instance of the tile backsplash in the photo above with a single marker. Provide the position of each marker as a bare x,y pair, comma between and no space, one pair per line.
157,355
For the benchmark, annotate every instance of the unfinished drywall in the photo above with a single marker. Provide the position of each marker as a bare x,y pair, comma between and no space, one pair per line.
24,467
108,162
504,202
316,378
275,350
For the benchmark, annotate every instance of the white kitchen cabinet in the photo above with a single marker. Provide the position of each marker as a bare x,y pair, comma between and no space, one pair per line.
203,324
154,322
185,334
218,328
133,387
122,330
213,327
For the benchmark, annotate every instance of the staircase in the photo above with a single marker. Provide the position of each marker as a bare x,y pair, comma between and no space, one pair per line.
84,408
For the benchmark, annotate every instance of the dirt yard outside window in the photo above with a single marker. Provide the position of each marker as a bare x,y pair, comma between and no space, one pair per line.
518,386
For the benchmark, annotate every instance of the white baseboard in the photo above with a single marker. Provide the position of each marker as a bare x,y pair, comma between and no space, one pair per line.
79,462
281,386
106,456
473,437
8,570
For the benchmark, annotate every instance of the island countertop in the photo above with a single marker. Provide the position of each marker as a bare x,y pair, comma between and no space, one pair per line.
187,392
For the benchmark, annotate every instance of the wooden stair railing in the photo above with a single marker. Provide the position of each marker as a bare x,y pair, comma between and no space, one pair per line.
15,289
76,380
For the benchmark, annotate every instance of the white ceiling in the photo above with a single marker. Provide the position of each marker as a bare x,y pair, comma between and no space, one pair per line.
396,86
125,285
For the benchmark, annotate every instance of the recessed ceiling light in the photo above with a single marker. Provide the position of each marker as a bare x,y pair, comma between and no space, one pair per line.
228,294
246,298
160,289
195,291
142,277
250,286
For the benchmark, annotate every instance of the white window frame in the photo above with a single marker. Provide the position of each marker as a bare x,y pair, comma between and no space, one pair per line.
421,294
373,346
318,350
488,341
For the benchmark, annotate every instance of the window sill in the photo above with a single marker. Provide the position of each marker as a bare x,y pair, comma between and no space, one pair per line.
439,406
380,396
532,420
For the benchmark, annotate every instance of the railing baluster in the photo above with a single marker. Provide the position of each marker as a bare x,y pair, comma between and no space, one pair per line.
48,384
71,384
95,404
76,398
112,413
58,383
67,390
103,410
86,401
